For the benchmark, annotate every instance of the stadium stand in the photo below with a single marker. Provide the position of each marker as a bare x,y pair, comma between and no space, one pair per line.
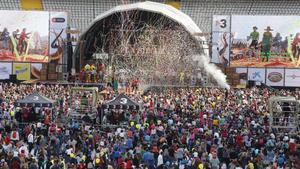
84,11
10,5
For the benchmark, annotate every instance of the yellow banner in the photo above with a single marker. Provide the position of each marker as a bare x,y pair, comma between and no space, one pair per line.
32,4
22,70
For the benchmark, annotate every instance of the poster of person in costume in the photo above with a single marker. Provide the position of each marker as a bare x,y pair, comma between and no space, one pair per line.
265,41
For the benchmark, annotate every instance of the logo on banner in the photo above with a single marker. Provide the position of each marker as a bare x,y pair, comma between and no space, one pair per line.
55,41
123,100
275,77
3,70
256,75
293,76
59,20
22,70
35,98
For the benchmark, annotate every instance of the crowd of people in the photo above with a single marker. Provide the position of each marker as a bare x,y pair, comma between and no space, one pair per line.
196,128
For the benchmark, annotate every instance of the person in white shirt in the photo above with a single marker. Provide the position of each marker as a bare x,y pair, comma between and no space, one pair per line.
69,151
24,150
160,160
30,139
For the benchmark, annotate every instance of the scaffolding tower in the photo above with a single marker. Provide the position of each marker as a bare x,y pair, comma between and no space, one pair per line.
284,114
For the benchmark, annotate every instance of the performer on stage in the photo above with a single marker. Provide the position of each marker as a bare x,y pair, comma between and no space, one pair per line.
93,73
87,69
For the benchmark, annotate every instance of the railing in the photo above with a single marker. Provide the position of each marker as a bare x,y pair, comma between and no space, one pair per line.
285,122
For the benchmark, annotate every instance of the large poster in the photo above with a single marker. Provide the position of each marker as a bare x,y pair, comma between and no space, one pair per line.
275,77
265,41
220,39
22,70
58,35
292,77
24,36
5,70
257,74
35,72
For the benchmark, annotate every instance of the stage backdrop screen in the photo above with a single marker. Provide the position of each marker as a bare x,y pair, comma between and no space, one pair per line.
32,36
24,36
265,41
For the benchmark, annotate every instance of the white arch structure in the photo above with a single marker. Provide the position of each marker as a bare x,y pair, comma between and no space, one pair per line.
159,8
178,17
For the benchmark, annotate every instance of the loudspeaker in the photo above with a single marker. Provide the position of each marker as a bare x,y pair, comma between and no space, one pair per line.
205,80
65,76
13,78
77,78
251,83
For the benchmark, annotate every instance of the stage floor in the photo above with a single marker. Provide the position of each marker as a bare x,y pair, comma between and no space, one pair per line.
273,62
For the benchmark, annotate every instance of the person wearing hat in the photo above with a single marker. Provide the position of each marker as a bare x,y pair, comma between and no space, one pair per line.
266,44
254,36
295,46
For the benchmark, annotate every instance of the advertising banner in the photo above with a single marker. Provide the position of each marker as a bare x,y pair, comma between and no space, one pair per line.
35,72
257,74
220,39
58,35
22,70
275,77
265,41
5,70
292,77
24,36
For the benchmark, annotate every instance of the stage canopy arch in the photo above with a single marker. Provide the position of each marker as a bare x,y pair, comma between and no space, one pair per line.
145,39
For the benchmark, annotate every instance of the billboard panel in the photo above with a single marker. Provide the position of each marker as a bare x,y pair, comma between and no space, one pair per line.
292,77
265,41
58,35
35,72
22,70
220,39
5,70
257,74
24,36
275,77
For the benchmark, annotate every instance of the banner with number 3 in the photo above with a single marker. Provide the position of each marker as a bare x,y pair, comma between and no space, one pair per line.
221,39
